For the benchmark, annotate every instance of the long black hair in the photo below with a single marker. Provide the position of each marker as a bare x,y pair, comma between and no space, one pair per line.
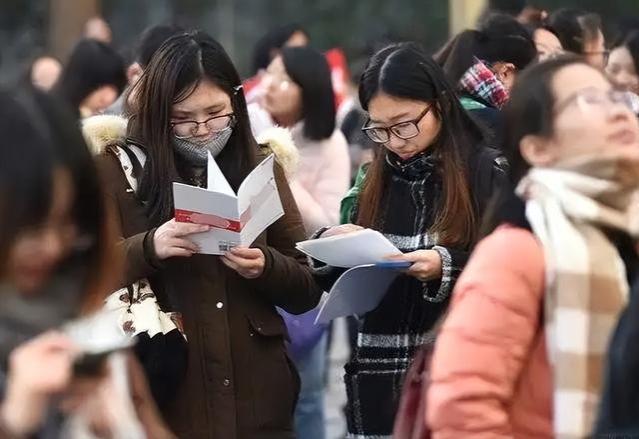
308,69
575,28
175,70
406,71
500,39
92,65
40,137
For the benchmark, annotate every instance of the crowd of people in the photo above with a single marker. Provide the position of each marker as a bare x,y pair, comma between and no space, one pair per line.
504,166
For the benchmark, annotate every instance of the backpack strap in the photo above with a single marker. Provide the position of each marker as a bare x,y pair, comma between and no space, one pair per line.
132,159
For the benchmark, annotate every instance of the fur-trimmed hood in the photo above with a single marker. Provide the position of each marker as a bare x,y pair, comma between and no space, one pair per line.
104,130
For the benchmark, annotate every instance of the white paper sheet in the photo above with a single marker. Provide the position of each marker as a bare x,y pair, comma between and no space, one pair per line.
234,219
350,250
358,291
215,178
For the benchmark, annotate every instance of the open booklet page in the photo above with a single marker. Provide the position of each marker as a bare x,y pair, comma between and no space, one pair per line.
234,219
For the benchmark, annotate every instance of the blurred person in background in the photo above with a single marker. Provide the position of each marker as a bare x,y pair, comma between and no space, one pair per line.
299,96
150,41
425,191
266,49
92,79
44,72
57,262
581,33
522,350
484,63
546,42
238,380
98,29
623,66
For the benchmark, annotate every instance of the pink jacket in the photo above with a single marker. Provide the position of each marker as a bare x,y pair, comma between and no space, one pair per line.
490,372
322,178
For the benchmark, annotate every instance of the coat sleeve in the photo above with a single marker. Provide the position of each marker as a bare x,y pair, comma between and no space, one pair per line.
287,280
139,257
486,338
137,250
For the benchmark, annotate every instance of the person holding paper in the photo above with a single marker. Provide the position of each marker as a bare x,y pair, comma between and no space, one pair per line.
299,95
56,264
425,191
239,381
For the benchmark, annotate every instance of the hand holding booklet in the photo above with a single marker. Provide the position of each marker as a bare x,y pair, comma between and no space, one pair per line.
235,219
361,288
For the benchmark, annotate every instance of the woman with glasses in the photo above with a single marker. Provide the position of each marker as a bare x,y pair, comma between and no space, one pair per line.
522,350
56,264
238,380
299,96
425,191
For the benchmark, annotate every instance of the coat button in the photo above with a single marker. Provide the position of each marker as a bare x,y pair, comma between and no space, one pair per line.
226,382
219,305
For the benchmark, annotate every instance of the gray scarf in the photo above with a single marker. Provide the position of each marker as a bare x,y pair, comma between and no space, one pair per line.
23,317
195,153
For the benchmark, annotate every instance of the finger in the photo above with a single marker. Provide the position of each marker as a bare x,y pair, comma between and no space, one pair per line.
179,252
243,263
397,257
54,341
184,243
229,263
421,271
416,256
183,229
247,253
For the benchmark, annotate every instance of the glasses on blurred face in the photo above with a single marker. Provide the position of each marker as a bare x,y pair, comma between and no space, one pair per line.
404,130
215,124
591,100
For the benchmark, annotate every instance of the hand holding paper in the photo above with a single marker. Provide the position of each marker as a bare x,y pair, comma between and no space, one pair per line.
248,262
172,239
360,289
233,220
424,265
348,250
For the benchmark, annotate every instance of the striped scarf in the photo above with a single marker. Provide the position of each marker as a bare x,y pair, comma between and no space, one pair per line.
570,208
482,83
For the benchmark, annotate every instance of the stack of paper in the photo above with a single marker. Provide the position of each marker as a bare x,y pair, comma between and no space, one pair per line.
235,219
361,288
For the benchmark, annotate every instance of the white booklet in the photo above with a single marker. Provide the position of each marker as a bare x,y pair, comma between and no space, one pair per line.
235,219
361,288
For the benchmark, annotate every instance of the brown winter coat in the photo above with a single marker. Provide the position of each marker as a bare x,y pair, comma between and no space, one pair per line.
239,382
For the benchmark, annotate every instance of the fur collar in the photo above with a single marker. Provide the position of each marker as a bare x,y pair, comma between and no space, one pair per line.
105,130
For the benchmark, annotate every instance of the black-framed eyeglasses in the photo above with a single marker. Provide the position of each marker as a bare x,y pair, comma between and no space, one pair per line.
189,128
404,130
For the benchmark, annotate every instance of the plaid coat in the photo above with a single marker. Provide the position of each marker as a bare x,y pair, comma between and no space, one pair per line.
389,336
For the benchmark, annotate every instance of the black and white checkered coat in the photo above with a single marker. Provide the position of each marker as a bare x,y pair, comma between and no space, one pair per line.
389,336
